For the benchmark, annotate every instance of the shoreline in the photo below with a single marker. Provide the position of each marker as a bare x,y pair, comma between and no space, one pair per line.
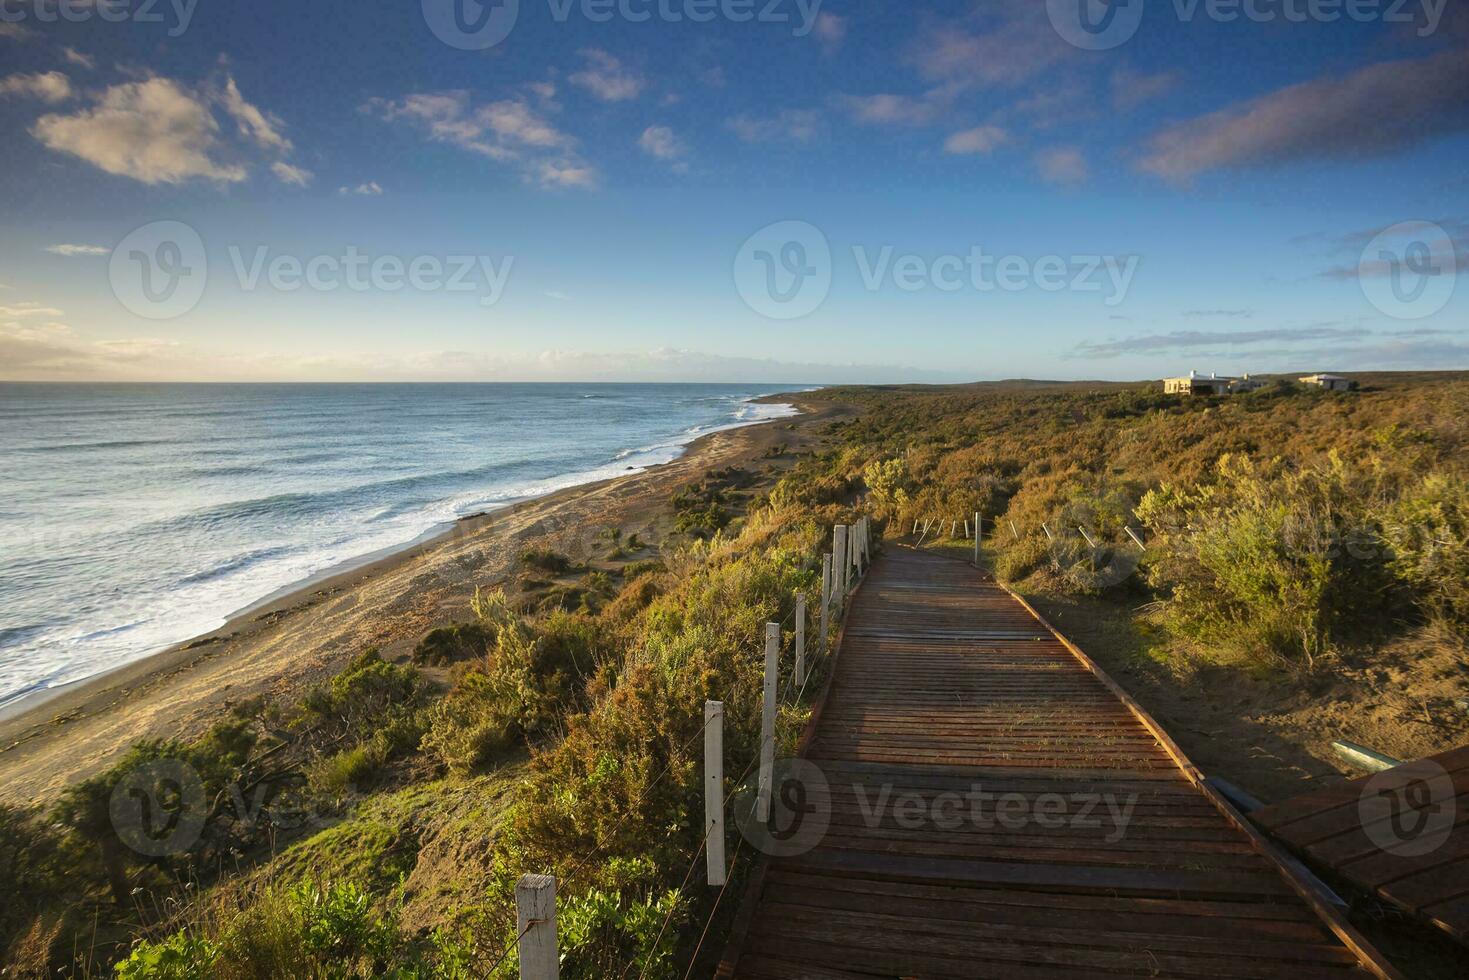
251,631
27,700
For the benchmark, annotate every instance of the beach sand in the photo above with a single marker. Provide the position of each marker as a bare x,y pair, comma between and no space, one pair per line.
283,645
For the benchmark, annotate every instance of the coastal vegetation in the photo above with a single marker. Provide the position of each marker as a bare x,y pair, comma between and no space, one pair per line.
376,825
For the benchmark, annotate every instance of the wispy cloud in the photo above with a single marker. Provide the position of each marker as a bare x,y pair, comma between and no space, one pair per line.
29,309
788,125
1375,111
369,189
1064,165
289,173
507,130
1185,340
888,109
981,139
71,250
75,57
831,30
606,77
1131,89
998,45
1237,314
660,143
49,86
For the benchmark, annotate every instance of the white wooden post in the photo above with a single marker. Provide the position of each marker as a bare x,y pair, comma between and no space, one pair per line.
825,599
915,527
1088,537
953,526
1013,533
976,539
800,642
714,791
966,527
1134,537
1049,535
839,563
767,722
535,914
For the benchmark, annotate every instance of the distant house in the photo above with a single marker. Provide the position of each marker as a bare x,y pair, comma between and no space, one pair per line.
1331,382
1214,384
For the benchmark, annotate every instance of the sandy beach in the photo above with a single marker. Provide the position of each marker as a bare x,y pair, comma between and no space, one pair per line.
301,636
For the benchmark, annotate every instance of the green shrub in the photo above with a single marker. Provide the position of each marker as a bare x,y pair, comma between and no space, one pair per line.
1269,562
1428,532
35,859
179,957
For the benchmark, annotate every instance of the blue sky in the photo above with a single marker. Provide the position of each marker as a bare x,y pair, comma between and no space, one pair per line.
606,190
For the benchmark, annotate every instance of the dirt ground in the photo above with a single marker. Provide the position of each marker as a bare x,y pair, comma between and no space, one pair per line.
310,634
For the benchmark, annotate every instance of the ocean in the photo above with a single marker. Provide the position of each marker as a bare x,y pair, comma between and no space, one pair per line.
136,516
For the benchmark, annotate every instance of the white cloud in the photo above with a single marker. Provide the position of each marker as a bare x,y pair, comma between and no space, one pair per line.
886,109
160,132
254,124
75,57
659,142
830,30
793,125
13,31
291,174
70,250
1374,111
1063,165
508,130
554,174
50,86
981,139
370,189
606,78
1000,45
47,351
29,309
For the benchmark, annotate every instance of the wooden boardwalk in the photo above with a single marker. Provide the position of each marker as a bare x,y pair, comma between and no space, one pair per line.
1334,829
946,687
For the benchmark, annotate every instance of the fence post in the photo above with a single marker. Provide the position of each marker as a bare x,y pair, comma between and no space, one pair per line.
976,539
714,791
825,599
1134,537
1090,543
1049,535
1013,533
767,722
839,563
535,913
800,641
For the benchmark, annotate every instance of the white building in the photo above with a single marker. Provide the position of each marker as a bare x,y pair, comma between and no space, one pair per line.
1214,384
1331,382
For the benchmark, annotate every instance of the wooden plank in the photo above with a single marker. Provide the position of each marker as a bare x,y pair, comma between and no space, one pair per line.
946,683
